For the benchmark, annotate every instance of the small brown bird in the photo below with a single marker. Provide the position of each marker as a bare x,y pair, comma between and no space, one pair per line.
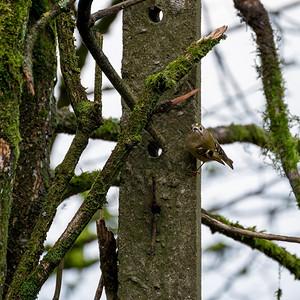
202,145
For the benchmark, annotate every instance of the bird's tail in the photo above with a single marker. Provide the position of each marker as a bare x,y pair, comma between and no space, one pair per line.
220,154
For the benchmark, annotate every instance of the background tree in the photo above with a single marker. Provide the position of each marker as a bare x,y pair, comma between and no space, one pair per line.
36,193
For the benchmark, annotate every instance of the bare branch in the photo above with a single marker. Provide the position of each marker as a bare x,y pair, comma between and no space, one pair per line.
99,289
58,279
184,97
217,33
112,10
88,37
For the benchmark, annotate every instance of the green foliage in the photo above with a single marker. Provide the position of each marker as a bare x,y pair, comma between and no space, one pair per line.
109,131
218,248
75,258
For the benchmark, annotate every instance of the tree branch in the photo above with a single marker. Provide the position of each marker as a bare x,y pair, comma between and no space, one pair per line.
108,259
84,25
66,123
131,135
112,10
233,229
110,130
58,280
256,240
82,183
33,33
254,14
250,133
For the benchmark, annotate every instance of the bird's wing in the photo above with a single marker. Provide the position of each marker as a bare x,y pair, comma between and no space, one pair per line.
210,154
222,155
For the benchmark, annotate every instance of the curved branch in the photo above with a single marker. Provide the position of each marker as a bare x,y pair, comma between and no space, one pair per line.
254,14
256,240
84,24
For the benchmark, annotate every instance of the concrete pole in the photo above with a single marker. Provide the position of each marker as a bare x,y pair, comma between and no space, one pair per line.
173,269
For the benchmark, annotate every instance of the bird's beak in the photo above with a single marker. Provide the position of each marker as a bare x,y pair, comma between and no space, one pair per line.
194,129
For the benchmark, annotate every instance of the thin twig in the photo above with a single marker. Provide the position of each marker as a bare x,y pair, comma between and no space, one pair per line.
112,10
98,74
59,279
99,290
217,225
171,104
185,96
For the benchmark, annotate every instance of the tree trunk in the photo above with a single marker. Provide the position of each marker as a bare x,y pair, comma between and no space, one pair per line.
13,19
171,270
37,121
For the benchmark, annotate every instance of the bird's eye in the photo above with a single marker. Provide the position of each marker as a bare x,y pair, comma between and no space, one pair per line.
200,128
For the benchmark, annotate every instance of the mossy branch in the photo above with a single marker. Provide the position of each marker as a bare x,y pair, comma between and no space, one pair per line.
249,133
131,135
13,20
109,131
88,119
256,240
277,114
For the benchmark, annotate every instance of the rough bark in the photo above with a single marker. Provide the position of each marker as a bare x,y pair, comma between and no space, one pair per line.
171,269
37,119
13,21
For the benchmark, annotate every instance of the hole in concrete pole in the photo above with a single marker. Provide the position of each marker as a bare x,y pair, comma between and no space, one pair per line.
154,150
155,14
